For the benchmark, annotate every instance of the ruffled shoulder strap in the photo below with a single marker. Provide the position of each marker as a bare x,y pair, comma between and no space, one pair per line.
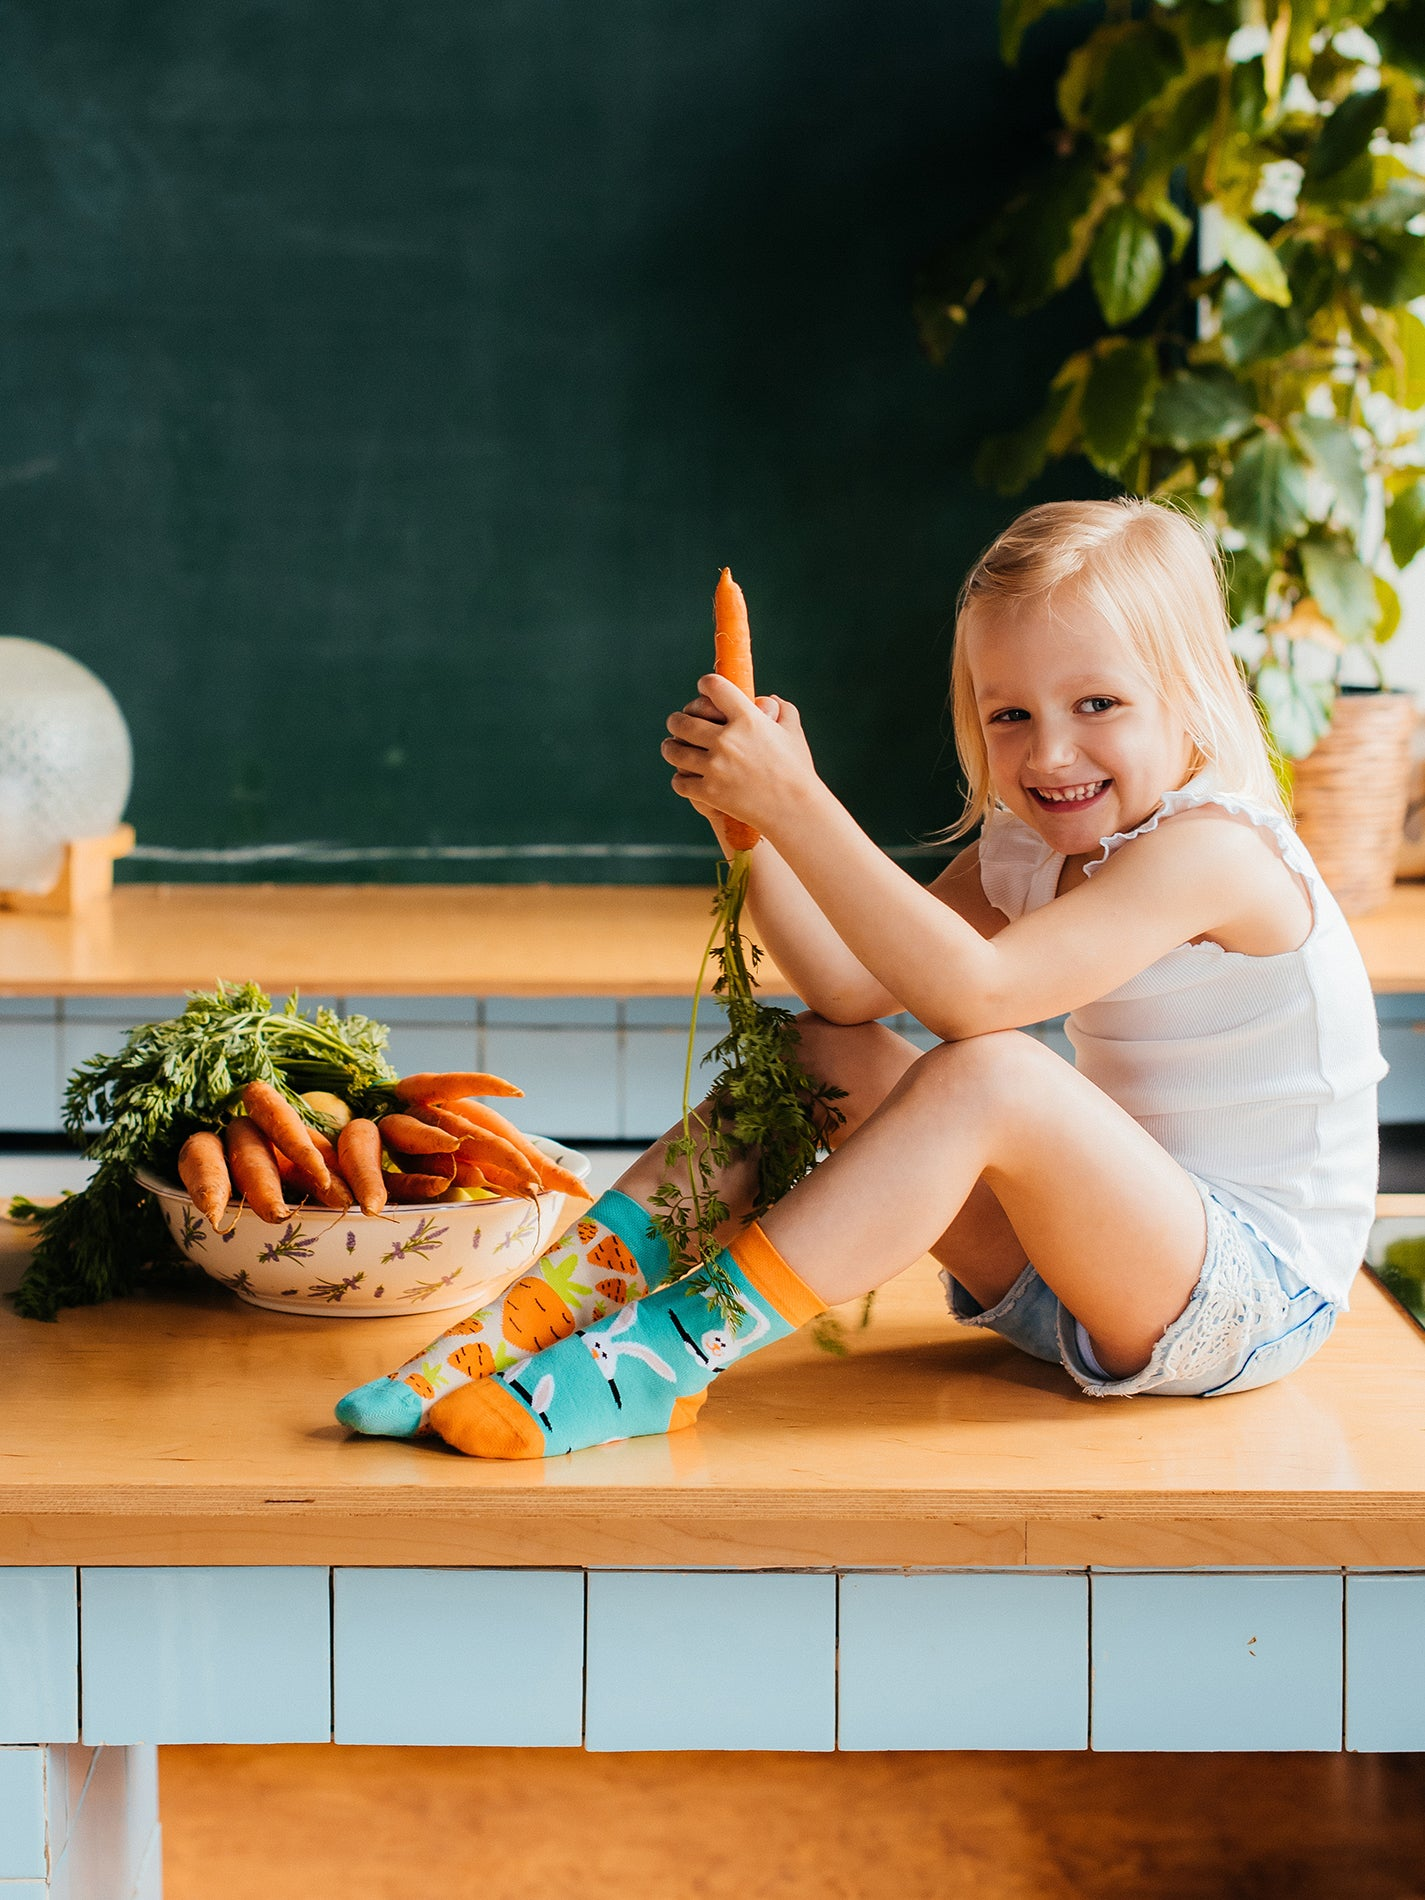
1018,871
1200,792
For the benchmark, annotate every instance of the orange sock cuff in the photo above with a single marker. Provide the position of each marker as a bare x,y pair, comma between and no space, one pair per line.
765,1269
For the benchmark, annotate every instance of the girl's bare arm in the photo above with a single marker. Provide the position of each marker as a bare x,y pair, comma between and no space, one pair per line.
1191,877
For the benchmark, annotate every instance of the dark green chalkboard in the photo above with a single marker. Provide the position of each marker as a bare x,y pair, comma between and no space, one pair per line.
381,387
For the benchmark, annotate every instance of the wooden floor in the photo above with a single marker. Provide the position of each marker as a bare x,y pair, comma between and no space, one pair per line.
505,1824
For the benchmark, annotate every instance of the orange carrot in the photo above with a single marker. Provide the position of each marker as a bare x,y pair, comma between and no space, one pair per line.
732,650
254,1168
441,1165
278,1120
204,1172
494,1123
336,1194
358,1148
416,1137
431,1087
416,1187
485,1174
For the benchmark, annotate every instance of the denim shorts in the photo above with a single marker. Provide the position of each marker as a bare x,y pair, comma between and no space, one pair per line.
1251,1319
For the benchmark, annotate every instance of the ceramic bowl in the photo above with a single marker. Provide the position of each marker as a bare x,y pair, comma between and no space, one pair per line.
410,1258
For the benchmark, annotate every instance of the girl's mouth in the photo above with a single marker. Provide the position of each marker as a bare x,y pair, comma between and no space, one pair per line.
1062,798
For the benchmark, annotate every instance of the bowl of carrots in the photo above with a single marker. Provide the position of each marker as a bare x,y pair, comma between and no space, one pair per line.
438,1203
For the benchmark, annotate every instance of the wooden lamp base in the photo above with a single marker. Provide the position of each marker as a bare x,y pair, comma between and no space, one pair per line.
86,874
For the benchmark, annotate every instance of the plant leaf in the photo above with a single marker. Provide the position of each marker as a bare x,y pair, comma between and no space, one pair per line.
1331,446
1125,264
1046,232
1141,60
1390,269
1186,125
1342,586
1011,459
1252,329
1247,580
1345,135
1194,409
1297,711
1015,19
1253,259
1411,333
1405,524
1390,610
1265,495
1118,396
1399,31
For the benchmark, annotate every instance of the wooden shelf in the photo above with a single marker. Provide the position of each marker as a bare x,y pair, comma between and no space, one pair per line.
194,1430
442,940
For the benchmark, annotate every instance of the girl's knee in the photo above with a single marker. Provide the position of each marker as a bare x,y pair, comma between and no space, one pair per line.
993,1069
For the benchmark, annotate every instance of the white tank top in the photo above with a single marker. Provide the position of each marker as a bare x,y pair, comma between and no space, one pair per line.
1257,1073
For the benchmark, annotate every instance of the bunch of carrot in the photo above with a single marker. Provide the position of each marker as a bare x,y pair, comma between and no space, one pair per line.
443,1138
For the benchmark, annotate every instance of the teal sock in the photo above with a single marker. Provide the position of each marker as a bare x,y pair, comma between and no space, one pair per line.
642,1372
606,1258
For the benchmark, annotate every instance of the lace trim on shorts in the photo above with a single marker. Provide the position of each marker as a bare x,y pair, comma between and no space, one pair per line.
1234,1301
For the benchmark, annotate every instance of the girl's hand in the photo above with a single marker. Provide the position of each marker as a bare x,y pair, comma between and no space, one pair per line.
738,758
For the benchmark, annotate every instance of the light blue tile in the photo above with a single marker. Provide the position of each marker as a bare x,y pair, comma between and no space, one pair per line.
570,1078
1385,1664
670,1012
414,1048
398,1633
553,1012
1402,1092
31,1890
206,1655
710,1660
124,1010
29,1009
654,1065
39,1655
976,1659
29,1077
1408,1007
22,1813
1197,1661
416,1009
114,1829
1052,1035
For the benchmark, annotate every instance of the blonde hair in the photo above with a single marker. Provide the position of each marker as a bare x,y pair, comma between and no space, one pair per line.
1152,574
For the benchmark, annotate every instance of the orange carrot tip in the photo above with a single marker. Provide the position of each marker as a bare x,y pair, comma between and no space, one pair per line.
428,1087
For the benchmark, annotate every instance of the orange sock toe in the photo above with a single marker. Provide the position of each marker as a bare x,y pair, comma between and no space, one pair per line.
486,1420
686,1409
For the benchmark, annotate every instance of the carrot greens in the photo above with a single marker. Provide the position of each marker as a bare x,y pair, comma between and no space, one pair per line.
169,1080
763,1102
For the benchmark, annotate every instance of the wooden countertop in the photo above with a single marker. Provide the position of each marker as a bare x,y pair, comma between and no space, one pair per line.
442,940
368,940
194,1429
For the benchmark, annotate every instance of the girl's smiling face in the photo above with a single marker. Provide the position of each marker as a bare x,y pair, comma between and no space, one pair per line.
1080,743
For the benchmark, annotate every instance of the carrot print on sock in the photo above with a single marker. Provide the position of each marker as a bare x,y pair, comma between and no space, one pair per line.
534,1315
611,1243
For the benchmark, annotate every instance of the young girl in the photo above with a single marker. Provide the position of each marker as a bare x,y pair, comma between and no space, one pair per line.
1193,1195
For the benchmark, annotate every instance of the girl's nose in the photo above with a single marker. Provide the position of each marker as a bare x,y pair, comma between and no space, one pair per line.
1051,750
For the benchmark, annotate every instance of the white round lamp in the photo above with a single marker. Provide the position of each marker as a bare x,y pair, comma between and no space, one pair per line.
66,763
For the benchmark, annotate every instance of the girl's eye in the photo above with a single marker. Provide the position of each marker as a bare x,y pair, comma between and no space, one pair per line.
1007,715
1100,702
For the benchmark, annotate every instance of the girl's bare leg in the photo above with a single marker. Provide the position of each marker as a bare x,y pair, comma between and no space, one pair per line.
868,1061
1111,1221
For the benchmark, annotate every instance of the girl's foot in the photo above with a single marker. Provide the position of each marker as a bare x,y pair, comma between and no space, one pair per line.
643,1371
607,1258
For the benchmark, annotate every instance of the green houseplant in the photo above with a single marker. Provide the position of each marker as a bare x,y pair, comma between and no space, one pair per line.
1237,181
